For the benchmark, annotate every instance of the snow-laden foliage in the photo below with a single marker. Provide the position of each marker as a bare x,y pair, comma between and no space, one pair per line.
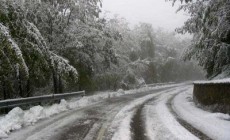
145,56
135,71
60,41
210,24
64,45
62,65
30,61
11,55
73,29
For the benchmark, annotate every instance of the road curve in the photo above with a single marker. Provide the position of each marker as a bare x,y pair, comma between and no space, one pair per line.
102,120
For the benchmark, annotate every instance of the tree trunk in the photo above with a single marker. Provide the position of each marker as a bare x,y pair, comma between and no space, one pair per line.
79,87
5,96
20,85
4,90
28,90
60,84
79,83
55,85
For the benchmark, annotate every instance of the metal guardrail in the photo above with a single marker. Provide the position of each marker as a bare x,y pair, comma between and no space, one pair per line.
159,84
37,99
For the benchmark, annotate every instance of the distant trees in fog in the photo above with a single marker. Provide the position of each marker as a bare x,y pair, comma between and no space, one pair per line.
55,46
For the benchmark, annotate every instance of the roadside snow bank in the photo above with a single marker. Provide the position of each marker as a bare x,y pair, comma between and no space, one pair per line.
218,81
17,118
214,125
160,122
12,121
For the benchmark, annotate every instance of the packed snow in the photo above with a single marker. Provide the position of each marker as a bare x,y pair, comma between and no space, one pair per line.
217,81
13,46
214,125
122,120
123,132
160,122
17,118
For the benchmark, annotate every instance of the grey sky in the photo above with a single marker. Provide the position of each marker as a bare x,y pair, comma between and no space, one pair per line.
157,12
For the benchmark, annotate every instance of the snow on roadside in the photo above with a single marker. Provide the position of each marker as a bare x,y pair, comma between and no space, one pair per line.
214,125
216,81
161,123
17,118
121,122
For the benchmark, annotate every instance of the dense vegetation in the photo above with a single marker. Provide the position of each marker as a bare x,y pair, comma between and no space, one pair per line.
56,46
209,22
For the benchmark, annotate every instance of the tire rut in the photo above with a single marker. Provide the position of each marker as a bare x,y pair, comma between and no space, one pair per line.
97,114
82,127
186,125
137,123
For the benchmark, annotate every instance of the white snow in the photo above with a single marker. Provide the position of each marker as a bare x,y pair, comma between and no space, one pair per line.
12,121
214,125
123,132
161,123
17,118
3,134
33,115
121,91
17,52
218,81
62,64
121,122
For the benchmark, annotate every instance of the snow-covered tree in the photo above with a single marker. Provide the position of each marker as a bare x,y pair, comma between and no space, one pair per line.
11,61
73,29
210,24
35,61
145,35
65,45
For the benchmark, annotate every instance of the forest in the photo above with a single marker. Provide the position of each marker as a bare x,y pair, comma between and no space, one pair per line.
58,46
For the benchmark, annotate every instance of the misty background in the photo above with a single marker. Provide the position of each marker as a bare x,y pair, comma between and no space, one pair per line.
63,46
159,13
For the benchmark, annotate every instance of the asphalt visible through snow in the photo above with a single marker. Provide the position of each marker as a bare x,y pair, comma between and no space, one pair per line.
94,122
188,126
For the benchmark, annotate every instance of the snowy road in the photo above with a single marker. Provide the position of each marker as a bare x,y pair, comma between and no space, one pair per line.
156,114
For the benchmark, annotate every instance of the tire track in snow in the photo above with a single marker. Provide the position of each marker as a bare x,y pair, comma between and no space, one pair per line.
53,127
185,124
161,123
56,119
137,125
214,125
97,118
128,122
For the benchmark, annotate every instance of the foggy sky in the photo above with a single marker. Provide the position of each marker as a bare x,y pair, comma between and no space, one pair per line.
157,12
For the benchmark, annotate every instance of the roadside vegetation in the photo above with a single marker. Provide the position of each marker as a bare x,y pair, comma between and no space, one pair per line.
56,46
